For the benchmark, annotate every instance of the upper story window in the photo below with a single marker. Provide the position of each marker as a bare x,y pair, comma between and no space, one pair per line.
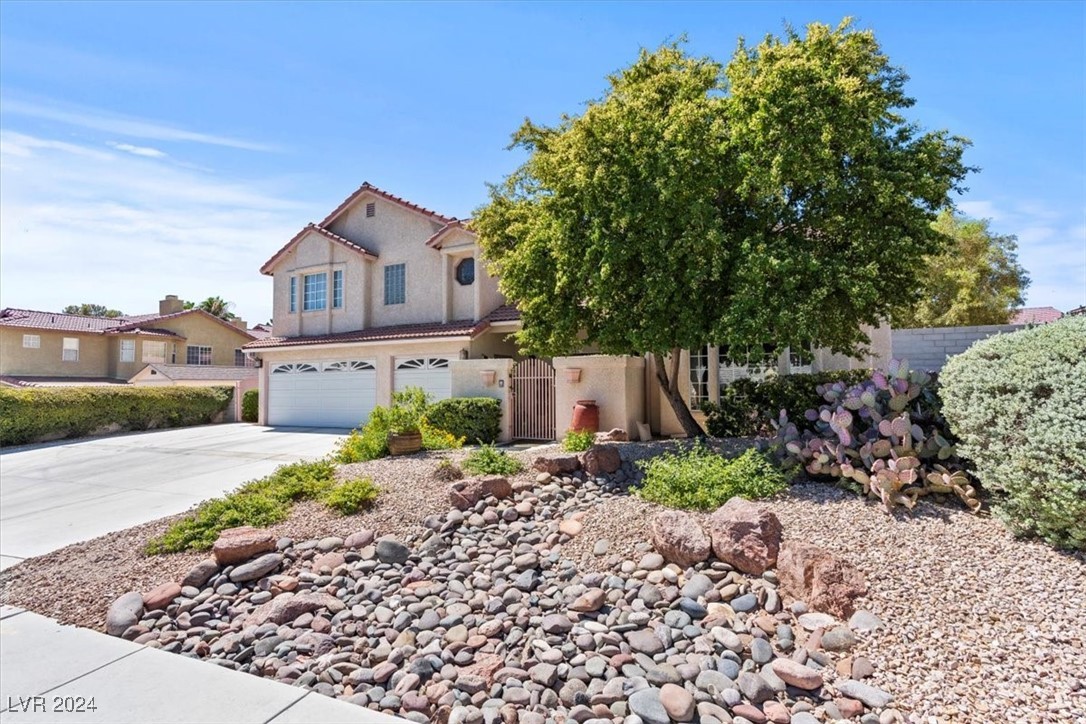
32,341
154,352
198,355
294,294
128,350
465,271
337,289
314,292
70,351
395,284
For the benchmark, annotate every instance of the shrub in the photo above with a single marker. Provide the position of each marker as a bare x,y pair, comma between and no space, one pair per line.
702,479
1017,402
447,471
435,439
748,407
578,440
488,460
258,503
351,496
250,406
885,437
477,419
407,414
30,415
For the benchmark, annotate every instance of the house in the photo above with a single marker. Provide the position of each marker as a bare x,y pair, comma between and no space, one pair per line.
52,347
1036,315
241,379
383,294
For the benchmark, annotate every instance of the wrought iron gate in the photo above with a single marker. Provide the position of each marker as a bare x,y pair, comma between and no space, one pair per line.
533,400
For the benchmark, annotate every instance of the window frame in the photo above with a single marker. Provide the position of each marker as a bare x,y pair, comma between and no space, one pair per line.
200,355
239,354
315,297
395,289
65,348
461,265
130,346
31,341
337,289
293,294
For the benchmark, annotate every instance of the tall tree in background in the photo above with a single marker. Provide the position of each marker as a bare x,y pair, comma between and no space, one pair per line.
976,279
775,200
216,306
93,310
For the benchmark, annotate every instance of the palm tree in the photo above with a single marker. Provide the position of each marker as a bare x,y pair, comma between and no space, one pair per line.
216,306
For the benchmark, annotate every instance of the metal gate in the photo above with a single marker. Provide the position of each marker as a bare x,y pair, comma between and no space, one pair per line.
533,400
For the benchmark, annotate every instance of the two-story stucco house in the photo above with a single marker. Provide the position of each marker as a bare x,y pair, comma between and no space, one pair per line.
380,295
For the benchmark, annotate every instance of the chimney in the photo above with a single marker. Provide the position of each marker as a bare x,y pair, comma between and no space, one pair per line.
171,305
240,324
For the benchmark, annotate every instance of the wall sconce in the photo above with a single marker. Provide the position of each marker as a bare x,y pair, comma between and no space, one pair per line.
573,374
489,376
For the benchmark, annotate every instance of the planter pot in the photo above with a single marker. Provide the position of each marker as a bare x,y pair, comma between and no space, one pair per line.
489,376
404,444
586,416
573,374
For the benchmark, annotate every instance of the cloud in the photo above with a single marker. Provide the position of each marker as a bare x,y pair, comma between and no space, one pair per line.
146,151
98,120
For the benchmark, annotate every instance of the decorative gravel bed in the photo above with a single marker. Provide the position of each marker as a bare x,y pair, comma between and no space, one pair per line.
978,626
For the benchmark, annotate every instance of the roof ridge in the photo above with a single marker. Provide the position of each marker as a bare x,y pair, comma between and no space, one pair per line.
367,186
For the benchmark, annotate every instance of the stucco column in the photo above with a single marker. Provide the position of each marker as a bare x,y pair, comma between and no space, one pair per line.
446,288
476,290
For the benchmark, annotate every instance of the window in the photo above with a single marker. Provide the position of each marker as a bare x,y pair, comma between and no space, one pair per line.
699,376
371,209
154,352
337,289
294,294
465,271
314,292
801,359
395,284
196,355
70,352
128,350
240,360
755,362
32,341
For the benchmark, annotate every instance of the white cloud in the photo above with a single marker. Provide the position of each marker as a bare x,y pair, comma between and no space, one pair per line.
146,151
83,224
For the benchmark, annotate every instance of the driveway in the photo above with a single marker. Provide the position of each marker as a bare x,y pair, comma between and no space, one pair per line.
60,493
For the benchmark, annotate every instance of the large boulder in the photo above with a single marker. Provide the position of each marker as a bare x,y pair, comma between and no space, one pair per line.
126,611
464,494
601,460
679,538
286,607
557,464
615,435
235,545
827,583
745,535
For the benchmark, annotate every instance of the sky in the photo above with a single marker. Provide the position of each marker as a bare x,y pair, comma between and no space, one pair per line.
171,148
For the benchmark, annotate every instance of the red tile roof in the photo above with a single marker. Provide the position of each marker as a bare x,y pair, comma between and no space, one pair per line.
367,187
140,324
204,373
504,313
267,267
1036,315
435,240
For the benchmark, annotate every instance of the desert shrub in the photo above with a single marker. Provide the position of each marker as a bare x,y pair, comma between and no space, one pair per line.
258,503
447,471
351,496
250,406
748,407
477,419
1017,402
435,439
406,414
489,460
33,414
702,479
885,437
578,440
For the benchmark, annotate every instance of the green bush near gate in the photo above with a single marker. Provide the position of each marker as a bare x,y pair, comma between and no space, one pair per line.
409,411
250,406
51,413
476,419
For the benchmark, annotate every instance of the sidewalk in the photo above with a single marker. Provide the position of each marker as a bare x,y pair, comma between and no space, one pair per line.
49,671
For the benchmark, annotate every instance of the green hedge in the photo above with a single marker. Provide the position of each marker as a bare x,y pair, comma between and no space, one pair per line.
748,407
35,414
250,406
1017,402
477,419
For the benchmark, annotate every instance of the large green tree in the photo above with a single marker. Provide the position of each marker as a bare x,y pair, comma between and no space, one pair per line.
93,310
783,198
975,279
216,306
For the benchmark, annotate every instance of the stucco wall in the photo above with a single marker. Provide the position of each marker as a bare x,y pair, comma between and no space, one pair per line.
46,360
928,348
470,379
615,383
200,331
315,254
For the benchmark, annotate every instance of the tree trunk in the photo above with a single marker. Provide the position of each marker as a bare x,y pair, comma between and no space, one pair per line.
670,386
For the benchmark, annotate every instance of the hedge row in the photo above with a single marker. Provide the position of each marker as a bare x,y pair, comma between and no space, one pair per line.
250,406
476,419
51,413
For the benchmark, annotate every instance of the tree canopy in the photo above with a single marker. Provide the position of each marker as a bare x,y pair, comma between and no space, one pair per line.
782,198
214,305
976,279
93,310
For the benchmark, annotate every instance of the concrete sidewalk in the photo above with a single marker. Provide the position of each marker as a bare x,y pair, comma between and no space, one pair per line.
48,671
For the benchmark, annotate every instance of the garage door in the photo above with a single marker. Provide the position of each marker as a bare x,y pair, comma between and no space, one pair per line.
321,394
430,373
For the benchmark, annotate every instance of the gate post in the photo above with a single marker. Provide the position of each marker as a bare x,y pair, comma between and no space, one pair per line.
486,378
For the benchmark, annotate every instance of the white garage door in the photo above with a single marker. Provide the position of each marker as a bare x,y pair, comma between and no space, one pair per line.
321,394
430,373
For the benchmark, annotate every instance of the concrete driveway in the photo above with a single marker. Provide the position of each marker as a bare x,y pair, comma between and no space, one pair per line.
60,493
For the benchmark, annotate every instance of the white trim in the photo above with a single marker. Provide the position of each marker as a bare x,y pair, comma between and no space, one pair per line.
362,343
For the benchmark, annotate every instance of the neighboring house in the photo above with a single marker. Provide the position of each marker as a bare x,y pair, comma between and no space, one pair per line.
384,293
55,347
1036,315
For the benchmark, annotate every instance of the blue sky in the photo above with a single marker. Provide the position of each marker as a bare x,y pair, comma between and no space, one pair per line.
151,149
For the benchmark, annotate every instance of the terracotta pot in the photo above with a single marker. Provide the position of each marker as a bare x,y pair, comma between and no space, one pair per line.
405,444
586,416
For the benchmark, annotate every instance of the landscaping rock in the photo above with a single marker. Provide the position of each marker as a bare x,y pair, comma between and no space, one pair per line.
235,545
826,582
677,702
745,535
614,435
647,705
126,611
679,538
200,574
591,600
390,550
875,698
838,638
464,494
601,460
361,539
557,464
796,674
162,596
286,607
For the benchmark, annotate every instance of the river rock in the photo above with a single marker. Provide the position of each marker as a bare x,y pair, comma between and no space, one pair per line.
390,550
124,612
256,568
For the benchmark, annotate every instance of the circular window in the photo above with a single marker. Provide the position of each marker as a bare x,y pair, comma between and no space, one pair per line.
465,271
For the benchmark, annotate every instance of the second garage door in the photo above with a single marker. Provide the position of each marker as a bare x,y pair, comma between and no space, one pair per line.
321,394
430,373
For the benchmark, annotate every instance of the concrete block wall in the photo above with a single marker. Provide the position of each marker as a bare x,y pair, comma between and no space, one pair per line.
928,348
